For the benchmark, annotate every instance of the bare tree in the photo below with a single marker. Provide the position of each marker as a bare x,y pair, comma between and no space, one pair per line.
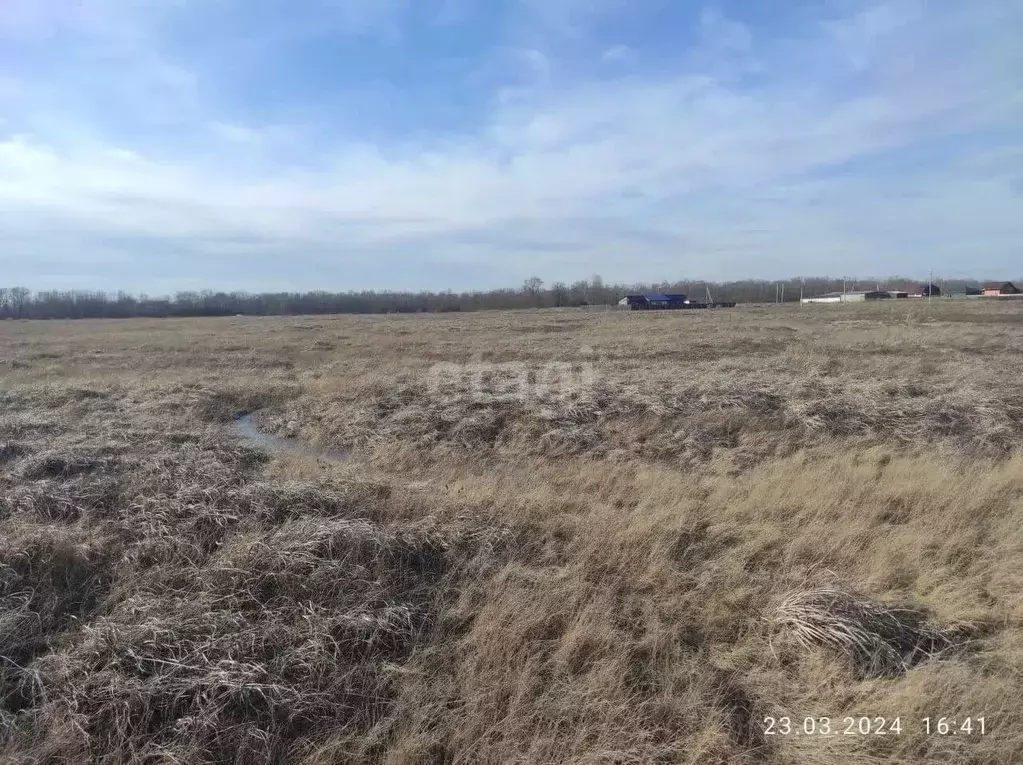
533,287
19,302
17,297
559,291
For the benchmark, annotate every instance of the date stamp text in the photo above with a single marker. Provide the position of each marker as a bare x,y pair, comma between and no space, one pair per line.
864,725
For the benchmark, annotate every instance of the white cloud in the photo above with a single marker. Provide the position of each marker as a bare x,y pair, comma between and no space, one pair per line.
235,133
362,17
723,34
537,64
34,19
570,18
860,38
684,172
616,53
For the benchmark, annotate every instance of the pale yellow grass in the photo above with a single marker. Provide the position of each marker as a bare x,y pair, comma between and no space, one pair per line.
594,580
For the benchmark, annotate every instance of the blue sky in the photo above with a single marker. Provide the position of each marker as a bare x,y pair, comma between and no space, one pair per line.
158,145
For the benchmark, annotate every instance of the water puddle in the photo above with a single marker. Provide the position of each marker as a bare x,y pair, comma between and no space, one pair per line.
247,427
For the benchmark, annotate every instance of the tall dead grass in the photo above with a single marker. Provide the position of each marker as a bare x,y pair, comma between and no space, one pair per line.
878,640
591,578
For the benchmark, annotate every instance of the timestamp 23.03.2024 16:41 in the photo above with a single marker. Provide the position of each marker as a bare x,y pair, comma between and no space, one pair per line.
876,726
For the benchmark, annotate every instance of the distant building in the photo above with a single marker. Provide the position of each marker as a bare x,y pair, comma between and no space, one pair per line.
665,301
849,297
897,294
993,289
973,291
854,297
930,290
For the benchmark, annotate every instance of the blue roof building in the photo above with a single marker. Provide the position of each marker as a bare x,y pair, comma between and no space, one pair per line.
668,299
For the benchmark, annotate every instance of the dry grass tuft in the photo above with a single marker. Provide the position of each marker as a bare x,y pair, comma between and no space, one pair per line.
56,465
276,638
878,640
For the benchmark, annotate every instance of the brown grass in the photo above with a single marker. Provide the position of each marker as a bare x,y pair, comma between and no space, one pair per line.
753,513
878,640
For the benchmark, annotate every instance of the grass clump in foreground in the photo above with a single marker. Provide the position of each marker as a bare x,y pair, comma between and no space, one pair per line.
624,574
878,640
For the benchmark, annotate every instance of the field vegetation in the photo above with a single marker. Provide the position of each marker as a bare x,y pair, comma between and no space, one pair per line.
721,517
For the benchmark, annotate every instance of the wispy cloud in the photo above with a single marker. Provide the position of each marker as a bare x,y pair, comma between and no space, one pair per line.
616,53
866,139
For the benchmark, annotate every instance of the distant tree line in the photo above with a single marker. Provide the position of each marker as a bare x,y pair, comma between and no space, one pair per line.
22,303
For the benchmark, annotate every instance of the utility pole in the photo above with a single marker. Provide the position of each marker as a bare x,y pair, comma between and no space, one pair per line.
930,285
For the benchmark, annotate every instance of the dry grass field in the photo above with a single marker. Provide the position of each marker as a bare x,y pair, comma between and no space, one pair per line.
716,518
